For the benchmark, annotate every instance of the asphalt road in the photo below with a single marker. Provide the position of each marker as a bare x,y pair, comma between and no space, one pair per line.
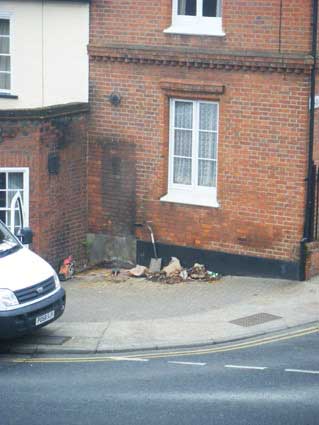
275,383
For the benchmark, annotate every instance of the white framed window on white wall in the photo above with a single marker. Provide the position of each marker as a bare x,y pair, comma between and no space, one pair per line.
198,17
13,181
193,142
5,54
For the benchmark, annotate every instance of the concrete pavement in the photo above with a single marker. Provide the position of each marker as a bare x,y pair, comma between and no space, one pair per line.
107,314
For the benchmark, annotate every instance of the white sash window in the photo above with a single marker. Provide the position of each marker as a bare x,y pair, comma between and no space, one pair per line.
5,57
198,17
193,152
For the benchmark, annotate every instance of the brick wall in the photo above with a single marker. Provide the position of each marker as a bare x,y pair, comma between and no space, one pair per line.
58,203
262,156
275,25
112,182
262,65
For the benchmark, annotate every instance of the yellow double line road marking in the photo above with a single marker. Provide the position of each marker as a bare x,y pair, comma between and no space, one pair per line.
177,353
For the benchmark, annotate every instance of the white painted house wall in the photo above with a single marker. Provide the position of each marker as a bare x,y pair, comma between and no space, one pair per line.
49,60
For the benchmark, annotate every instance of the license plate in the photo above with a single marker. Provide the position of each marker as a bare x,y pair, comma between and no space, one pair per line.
44,318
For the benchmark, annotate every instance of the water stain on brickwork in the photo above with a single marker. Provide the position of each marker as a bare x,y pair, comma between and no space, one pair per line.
118,185
256,235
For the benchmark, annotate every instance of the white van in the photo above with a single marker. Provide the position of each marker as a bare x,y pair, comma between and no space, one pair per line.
30,292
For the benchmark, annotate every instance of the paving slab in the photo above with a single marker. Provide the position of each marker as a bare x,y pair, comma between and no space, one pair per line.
76,345
82,330
106,314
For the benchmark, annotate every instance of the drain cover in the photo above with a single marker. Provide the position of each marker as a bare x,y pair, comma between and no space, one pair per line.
255,319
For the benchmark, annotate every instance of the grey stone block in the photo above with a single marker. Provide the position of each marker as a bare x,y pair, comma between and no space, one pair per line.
102,247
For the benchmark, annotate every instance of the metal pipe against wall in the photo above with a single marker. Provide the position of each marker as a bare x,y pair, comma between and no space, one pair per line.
310,202
309,209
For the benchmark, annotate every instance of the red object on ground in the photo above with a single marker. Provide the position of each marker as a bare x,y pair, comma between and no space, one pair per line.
66,269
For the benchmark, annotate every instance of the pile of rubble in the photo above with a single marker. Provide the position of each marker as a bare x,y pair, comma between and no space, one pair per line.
175,273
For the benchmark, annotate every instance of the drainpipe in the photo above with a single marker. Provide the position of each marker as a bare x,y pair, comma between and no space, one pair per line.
309,211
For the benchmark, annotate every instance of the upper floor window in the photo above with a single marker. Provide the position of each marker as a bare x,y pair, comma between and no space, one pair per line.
5,59
209,8
199,17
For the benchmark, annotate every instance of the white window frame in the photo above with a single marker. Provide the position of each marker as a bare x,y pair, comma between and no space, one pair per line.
26,189
196,25
190,194
8,16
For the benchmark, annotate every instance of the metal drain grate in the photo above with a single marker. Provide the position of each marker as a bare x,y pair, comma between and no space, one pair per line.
255,319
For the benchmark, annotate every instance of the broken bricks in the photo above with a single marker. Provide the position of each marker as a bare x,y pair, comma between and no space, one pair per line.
198,271
138,271
175,273
174,267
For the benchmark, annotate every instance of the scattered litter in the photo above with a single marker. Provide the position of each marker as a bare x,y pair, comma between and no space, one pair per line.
175,273
115,272
120,275
198,271
172,274
66,270
174,267
138,271
183,274
213,275
94,272
162,278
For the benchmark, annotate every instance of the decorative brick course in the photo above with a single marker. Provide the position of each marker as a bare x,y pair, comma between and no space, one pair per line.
204,58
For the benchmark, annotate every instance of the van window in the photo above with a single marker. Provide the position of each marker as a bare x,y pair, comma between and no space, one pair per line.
8,243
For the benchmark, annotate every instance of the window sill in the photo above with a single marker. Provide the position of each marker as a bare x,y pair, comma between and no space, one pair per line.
8,96
189,30
191,198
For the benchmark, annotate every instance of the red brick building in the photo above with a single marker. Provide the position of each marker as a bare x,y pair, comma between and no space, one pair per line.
43,155
200,124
